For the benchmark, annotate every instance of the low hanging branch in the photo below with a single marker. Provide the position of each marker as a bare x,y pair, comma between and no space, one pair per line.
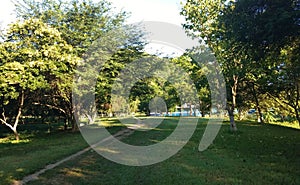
51,106
4,121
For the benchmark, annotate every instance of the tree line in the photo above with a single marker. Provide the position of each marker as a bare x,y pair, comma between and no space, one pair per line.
256,43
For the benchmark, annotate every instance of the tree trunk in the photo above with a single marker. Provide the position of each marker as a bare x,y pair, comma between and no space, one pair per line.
66,120
297,115
91,118
74,120
74,126
297,107
241,114
231,118
201,108
21,104
259,115
231,109
16,135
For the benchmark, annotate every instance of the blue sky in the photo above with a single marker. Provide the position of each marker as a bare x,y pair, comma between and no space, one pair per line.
142,10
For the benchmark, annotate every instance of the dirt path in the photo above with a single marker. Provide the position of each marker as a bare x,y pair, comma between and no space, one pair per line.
119,135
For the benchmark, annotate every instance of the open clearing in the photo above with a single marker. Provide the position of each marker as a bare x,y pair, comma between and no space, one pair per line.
256,154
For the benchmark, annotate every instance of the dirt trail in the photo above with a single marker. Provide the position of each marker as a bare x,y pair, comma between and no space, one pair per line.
119,135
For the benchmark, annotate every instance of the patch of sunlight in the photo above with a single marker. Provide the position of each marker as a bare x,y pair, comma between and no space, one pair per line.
106,124
253,125
74,172
106,150
287,124
137,126
154,140
4,140
19,170
161,129
9,140
188,167
20,141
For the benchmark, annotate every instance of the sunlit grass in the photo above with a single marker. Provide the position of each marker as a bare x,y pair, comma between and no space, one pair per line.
293,124
12,140
256,154
36,149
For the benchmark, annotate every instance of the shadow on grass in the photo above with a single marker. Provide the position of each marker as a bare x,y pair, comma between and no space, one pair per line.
256,154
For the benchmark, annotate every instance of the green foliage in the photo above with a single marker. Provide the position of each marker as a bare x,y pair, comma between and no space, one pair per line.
250,39
80,24
33,57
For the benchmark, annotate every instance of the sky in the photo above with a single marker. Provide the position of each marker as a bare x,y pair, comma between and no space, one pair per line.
141,10
152,10
6,12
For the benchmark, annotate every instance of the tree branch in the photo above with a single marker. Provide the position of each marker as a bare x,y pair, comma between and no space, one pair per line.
4,121
51,106
280,102
19,110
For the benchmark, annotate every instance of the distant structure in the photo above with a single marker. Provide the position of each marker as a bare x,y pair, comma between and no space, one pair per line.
184,110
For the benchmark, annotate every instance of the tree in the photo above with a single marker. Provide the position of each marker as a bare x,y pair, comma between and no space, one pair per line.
284,84
266,29
33,57
247,37
80,23
202,21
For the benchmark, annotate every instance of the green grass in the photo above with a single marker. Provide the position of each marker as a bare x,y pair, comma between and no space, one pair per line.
36,149
256,154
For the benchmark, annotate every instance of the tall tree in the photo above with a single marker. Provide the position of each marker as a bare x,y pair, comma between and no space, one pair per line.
203,21
34,56
247,37
266,29
81,23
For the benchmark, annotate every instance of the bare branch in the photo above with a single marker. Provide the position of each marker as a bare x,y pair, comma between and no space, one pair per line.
51,106
7,124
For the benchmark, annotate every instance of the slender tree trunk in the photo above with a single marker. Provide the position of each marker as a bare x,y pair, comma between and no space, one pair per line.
231,119
21,104
296,108
231,109
16,135
74,125
241,115
74,117
259,115
201,109
297,114
91,118
298,118
66,120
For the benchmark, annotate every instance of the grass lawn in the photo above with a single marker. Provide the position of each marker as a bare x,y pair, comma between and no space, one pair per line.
256,154
36,149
